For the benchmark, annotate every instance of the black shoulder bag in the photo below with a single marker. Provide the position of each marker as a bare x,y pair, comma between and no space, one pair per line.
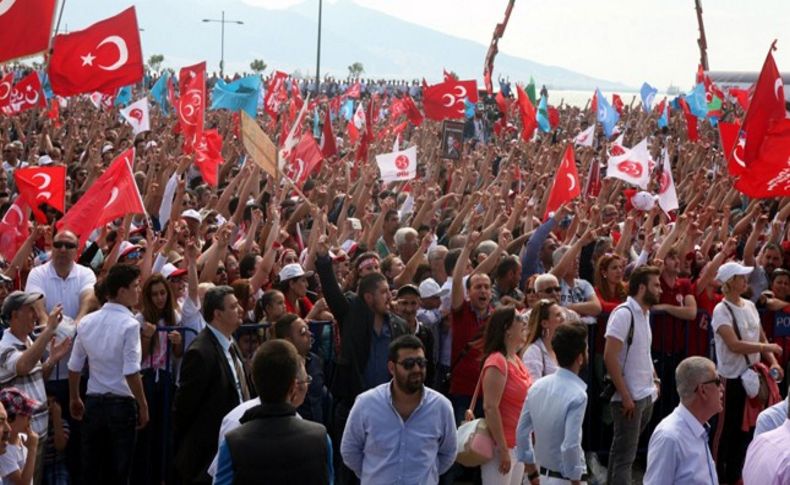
608,385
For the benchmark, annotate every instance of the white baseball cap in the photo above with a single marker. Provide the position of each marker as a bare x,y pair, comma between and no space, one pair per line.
192,214
170,270
728,270
429,288
293,270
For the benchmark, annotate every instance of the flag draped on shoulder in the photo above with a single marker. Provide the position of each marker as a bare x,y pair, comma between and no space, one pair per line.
104,57
26,26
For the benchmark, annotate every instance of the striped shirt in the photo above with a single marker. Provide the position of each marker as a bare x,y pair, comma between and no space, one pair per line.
32,384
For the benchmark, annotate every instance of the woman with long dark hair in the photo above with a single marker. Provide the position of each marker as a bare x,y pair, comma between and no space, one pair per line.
505,381
158,308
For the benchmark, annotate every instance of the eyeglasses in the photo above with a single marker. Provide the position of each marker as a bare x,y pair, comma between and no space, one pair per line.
530,291
64,244
304,331
719,381
307,380
552,289
410,362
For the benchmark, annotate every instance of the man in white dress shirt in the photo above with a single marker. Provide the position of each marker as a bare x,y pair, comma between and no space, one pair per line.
109,340
678,451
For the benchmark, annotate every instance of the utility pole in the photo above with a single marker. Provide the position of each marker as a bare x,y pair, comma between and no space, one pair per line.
222,21
318,54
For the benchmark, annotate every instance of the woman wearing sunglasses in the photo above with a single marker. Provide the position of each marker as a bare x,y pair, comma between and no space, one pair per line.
539,356
505,381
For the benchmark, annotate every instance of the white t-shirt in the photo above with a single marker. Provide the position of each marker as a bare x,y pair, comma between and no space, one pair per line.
638,370
730,364
538,361
12,460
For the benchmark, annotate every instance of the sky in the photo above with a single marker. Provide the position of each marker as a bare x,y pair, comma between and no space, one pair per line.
629,41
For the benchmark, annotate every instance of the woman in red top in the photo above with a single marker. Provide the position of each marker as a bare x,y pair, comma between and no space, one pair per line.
609,285
505,381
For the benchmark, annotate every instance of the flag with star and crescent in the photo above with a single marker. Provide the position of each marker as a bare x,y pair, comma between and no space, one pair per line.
104,57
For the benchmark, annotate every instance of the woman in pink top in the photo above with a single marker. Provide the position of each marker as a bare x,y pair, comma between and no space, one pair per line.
505,384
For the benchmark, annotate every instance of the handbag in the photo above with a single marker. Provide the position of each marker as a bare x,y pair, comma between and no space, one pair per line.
475,444
754,383
608,388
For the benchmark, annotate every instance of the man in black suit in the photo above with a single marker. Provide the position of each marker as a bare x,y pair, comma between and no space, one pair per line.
212,383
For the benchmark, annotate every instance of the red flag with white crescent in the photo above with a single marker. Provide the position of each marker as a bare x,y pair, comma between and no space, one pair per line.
767,105
39,185
566,183
6,86
328,145
26,26
208,156
303,160
104,57
113,195
27,94
14,228
272,101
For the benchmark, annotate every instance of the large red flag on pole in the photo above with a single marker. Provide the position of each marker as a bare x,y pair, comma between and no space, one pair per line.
26,26
104,57
566,183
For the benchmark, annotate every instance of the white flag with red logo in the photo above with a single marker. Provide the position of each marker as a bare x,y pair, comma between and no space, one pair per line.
357,124
586,137
667,195
137,116
632,166
396,166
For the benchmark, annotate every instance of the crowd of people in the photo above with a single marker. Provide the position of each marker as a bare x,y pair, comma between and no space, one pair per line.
341,332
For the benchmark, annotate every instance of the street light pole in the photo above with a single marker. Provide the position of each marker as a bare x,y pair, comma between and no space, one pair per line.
222,21
318,54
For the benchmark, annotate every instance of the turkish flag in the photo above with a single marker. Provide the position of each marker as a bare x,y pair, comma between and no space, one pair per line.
446,100
742,96
566,183
187,73
304,158
39,185
54,112
527,112
353,91
14,228
26,26
328,145
357,124
114,194
728,136
272,101
769,175
767,105
104,57
208,156
190,110
617,103
6,86
593,186
27,94
412,112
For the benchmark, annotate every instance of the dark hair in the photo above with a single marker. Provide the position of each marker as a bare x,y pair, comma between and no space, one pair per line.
570,340
451,259
498,323
369,283
640,276
120,276
147,307
404,342
475,275
282,327
274,368
215,300
363,256
247,265
777,273
263,303
508,264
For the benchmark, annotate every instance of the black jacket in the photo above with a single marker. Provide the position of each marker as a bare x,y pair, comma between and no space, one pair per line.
273,446
355,320
206,393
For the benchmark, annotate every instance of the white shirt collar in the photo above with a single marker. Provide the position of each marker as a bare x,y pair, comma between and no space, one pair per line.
692,422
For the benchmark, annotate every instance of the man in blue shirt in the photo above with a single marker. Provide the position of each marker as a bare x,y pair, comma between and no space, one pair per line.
554,411
401,432
678,451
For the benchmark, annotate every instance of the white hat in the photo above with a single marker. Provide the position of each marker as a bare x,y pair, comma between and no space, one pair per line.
293,270
728,270
106,148
45,160
192,214
429,288
169,270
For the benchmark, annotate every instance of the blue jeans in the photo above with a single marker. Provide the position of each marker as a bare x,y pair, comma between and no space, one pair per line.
108,437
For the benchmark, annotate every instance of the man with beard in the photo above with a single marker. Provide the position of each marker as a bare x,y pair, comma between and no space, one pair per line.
401,431
770,258
554,411
628,362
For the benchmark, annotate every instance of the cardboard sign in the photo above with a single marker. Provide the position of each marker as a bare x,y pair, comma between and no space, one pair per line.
259,145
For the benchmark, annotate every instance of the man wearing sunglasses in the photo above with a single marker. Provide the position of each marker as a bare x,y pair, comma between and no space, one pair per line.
401,431
678,451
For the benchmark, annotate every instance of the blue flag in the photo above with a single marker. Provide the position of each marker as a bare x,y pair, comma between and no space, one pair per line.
607,116
469,108
159,93
347,110
648,94
240,94
43,77
543,115
124,96
663,120
697,101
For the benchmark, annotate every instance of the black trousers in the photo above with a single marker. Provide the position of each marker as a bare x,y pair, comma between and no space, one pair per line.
732,441
108,437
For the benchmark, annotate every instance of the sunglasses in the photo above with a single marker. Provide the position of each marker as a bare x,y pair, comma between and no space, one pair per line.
719,381
64,244
410,362
307,380
552,289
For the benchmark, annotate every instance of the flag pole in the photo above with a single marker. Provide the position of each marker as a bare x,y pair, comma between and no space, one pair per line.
318,53
48,55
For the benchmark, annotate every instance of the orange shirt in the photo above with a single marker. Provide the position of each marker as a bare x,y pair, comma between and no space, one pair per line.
514,394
